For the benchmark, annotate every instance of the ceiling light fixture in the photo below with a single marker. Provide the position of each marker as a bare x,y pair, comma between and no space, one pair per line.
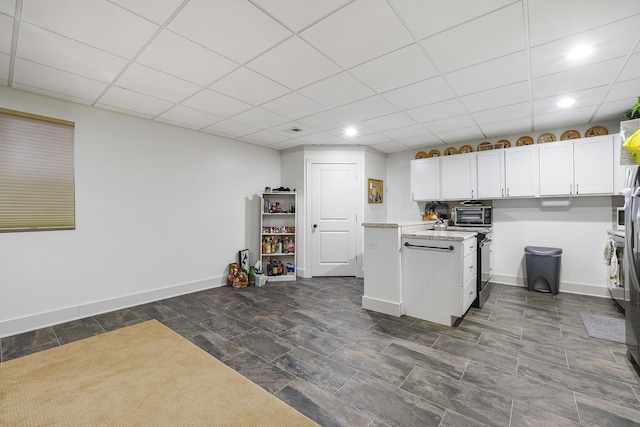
580,52
566,102
350,131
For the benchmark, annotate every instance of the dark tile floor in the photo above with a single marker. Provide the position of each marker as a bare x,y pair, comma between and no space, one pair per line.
523,360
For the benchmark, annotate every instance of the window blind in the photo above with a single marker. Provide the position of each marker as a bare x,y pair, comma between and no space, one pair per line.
37,190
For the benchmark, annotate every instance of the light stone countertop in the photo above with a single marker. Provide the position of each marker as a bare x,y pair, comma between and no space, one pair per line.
452,236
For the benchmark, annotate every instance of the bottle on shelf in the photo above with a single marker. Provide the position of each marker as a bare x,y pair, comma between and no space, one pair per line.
268,246
264,245
279,246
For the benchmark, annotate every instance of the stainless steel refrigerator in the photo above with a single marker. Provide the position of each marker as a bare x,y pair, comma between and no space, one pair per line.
632,250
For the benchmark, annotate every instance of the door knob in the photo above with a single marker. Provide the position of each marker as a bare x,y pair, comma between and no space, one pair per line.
315,225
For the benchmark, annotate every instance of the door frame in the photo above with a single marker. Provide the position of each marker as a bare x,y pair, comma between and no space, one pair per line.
359,207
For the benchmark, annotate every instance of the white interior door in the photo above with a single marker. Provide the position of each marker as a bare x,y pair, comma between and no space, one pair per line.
333,219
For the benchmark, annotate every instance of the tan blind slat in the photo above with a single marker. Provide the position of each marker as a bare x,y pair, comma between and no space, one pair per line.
37,189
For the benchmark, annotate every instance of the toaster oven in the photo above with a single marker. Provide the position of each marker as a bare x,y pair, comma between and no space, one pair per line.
472,215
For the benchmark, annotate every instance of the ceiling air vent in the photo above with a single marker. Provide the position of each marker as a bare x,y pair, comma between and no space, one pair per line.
294,129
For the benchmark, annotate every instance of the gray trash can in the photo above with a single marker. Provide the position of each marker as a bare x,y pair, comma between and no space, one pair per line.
543,269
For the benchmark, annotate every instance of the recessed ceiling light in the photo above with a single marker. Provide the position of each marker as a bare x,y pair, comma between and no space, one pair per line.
580,52
350,131
566,102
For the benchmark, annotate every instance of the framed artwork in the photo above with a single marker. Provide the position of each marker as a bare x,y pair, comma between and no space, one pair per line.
243,259
375,190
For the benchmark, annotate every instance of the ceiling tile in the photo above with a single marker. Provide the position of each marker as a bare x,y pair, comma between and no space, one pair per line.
589,76
8,7
615,110
552,58
157,11
451,123
583,98
406,132
437,111
293,105
319,138
563,118
390,147
53,50
53,80
234,28
126,111
364,109
249,86
426,18
460,135
291,143
175,55
388,122
501,114
574,16
418,94
508,127
471,43
264,137
188,117
623,90
325,120
393,70
134,101
630,70
6,33
498,97
298,14
232,128
422,141
49,93
294,64
337,90
260,118
216,103
285,129
371,139
97,23
155,83
370,26
488,75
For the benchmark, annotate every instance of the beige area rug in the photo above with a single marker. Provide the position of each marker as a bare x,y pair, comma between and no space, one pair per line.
140,375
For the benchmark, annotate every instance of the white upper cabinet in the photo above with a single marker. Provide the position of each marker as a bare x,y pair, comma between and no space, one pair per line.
459,177
521,171
425,179
579,167
491,182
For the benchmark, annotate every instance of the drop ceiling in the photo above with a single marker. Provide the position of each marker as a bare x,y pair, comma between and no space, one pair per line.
407,73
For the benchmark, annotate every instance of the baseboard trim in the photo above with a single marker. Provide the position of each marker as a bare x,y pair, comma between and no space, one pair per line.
386,307
567,287
54,317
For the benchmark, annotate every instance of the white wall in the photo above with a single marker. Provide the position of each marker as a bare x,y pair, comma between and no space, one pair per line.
160,211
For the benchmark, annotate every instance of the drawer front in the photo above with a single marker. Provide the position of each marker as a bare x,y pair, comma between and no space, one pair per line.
469,294
469,247
469,268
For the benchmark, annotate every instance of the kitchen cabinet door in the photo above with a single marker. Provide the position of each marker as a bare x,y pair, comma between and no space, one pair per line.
425,179
556,169
593,165
459,177
521,171
491,183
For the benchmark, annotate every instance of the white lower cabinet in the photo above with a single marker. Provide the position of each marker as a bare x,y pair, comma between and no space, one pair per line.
439,278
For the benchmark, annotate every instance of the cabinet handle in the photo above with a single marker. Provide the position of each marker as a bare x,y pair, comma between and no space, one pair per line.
502,192
570,188
577,189
472,194
507,191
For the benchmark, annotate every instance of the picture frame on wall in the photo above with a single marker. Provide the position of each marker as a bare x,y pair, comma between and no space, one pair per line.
243,259
375,191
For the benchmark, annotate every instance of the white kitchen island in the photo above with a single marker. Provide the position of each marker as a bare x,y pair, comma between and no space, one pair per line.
400,280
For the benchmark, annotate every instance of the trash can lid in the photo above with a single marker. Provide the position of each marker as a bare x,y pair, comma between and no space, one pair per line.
541,250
